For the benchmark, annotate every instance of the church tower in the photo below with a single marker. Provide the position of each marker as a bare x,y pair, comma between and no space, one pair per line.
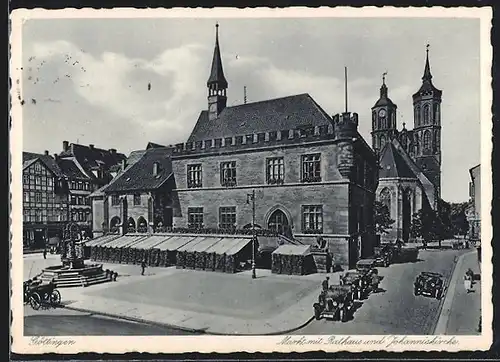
427,127
217,83
383,119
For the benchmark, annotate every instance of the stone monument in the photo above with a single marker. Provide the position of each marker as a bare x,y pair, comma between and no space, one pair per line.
73,272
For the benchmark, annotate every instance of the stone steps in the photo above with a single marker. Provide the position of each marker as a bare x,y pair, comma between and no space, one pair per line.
70,280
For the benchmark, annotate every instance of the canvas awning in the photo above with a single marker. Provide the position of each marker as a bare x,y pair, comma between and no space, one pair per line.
151,241
238,246
191,245
101,240
205,244
223,245
123,241
174,243
293,250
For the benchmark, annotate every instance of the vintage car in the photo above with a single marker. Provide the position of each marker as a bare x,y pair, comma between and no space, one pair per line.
429,284
384,255
366,267
38,293
357,282
335,303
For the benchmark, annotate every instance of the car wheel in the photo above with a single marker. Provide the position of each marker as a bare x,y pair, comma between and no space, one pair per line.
439,294
344,315
317,312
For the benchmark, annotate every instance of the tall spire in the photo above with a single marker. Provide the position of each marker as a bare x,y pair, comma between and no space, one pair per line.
217,81
427,71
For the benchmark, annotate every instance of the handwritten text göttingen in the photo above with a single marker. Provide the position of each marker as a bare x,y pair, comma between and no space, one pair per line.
50,341
385,341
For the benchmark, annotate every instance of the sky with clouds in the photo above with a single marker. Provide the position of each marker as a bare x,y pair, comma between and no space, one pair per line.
86,80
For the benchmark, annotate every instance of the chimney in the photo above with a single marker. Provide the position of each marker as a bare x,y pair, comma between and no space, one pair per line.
65,145
56,156
91,146
124,164
46,153
112,151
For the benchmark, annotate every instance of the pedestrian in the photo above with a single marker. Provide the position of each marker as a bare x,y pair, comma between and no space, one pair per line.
143,266
467,283
325,284
45,253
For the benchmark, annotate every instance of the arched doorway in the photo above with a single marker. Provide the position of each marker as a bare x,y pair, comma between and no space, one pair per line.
278,221
114,224
142,225
406,214
131,225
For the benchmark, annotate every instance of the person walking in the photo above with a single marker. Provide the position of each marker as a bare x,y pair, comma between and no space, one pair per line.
325,283
143,266
45,253
467,283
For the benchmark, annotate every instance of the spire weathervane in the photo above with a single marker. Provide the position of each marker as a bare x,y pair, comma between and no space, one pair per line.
383,77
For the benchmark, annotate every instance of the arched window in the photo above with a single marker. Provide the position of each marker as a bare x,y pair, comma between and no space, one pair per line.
113,225
417,144
382,141
385,199
131,225
427,114
374,119
427,140
142,225
435,112
417,116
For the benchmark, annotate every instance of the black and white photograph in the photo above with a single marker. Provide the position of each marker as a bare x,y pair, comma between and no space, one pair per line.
191,179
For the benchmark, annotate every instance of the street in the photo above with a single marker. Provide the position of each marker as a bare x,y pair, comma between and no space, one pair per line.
63,322
395,310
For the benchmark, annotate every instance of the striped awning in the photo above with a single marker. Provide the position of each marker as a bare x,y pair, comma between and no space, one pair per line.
101,240
238,246
174,243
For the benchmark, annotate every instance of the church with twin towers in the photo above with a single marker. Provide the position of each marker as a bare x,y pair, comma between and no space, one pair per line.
410,159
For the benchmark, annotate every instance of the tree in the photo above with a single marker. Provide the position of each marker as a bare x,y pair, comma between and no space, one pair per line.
459,223
428,224
381,218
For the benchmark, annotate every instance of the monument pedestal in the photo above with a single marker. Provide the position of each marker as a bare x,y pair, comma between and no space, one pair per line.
73,272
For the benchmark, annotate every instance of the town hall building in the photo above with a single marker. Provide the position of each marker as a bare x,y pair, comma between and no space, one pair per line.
282,166
410,160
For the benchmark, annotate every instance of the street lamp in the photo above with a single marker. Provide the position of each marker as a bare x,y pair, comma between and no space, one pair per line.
252,197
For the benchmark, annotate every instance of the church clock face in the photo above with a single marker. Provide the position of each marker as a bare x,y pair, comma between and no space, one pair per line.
381,113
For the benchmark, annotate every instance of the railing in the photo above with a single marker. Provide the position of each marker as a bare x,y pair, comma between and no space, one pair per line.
219,231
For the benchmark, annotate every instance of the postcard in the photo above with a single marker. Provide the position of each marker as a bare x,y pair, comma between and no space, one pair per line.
260,180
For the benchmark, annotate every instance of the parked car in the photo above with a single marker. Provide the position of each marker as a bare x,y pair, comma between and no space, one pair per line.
357,282
384,255
336,303
366,267
429,284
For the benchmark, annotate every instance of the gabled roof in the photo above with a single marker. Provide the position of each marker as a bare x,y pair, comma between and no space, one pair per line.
139,176
29,158
266,116
71,169
392,163
92,158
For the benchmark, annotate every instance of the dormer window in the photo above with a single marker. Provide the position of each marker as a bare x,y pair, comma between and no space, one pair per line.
156,168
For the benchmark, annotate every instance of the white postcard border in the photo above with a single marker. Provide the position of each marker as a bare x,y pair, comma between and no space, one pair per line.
224,344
